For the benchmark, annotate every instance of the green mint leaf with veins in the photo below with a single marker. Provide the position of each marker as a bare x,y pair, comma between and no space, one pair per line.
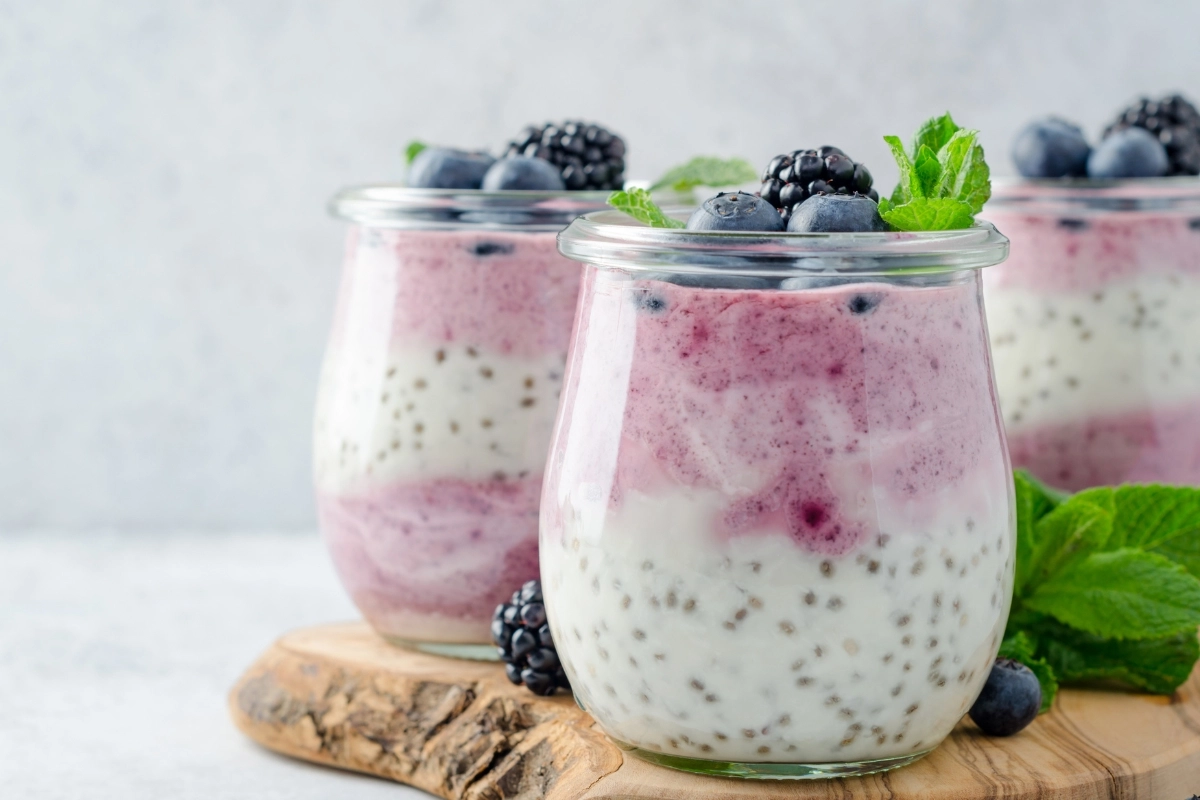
1159,665
1020,647
637,203
1034,501
1070,532
909,185
1122,594
413,150
706,171
1154,516
926,214
965,174
929,171
934,134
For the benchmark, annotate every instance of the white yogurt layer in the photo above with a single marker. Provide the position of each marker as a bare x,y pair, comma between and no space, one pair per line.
756,650
1127,345
419,412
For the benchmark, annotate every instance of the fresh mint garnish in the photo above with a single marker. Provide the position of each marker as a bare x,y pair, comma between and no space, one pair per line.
413,150
1107,585
706,171
637,203
944,179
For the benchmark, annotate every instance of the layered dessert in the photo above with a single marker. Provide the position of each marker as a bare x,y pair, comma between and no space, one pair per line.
1096,337
777,525
434,415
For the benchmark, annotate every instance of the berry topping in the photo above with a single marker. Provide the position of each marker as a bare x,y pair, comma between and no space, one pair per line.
446,168
735,211
792,178
1174,122
522,635
1128,153
1010,699
836,213
1051,148
587,156
523,172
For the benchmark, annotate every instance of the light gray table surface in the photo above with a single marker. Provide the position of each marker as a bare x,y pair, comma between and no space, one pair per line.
117,651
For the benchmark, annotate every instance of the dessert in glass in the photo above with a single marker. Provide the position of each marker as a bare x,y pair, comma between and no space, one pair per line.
436,402
777,526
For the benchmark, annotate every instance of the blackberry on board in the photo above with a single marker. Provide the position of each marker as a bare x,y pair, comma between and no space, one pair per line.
589,156
1175,122
791,178
522,636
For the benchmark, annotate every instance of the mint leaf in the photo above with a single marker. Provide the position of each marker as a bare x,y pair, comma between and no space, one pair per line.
909,185
706,171
1184,551
1123,594
928,170
413,150
1034,501
965,174
1072,530
1152,516
637,203
1020,647
884,205
1159,665
934,134
925,214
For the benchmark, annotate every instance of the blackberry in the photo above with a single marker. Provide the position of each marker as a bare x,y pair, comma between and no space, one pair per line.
522,636
792,178
588,156
1175,122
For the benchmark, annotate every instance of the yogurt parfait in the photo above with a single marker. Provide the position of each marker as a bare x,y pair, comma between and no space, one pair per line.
1093,319
777,523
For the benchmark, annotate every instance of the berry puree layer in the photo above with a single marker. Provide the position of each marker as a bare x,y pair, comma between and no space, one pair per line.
433,420
777,525
1096,339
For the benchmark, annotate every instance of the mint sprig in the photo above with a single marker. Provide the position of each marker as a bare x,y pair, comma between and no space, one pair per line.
706,171
636,203
413,150
1107,585
944,179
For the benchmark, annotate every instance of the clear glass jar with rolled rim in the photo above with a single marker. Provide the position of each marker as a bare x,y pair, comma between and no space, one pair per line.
777,526
436,403
1095,327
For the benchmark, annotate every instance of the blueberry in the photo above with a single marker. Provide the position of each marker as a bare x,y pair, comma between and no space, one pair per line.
445,168
864,303
1051,148
836,214
1010,699
735,211
1128,153
522,172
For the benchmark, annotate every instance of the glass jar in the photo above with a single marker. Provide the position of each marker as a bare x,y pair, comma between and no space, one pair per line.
1095,327
436,403
777,528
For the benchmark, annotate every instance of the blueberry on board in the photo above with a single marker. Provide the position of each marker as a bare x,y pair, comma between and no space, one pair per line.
1051,148
446,168
523,172
735,211
1010,699
1128,153
836,213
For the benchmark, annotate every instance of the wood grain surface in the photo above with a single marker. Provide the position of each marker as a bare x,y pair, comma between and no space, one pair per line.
339,695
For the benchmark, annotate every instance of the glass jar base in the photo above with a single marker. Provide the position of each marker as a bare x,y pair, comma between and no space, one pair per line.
467,652
772,771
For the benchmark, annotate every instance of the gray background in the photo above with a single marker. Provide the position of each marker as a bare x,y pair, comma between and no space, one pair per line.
168,270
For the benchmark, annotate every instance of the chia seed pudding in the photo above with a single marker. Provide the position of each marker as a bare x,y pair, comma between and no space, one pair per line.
1095,330
777,524
436,404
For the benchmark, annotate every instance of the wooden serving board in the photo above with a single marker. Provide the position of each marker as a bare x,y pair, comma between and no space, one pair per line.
340,695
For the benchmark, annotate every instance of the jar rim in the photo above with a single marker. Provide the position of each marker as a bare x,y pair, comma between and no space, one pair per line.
611,239
399,206
1177,193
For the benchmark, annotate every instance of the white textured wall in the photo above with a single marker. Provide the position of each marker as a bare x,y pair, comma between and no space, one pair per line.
167,268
